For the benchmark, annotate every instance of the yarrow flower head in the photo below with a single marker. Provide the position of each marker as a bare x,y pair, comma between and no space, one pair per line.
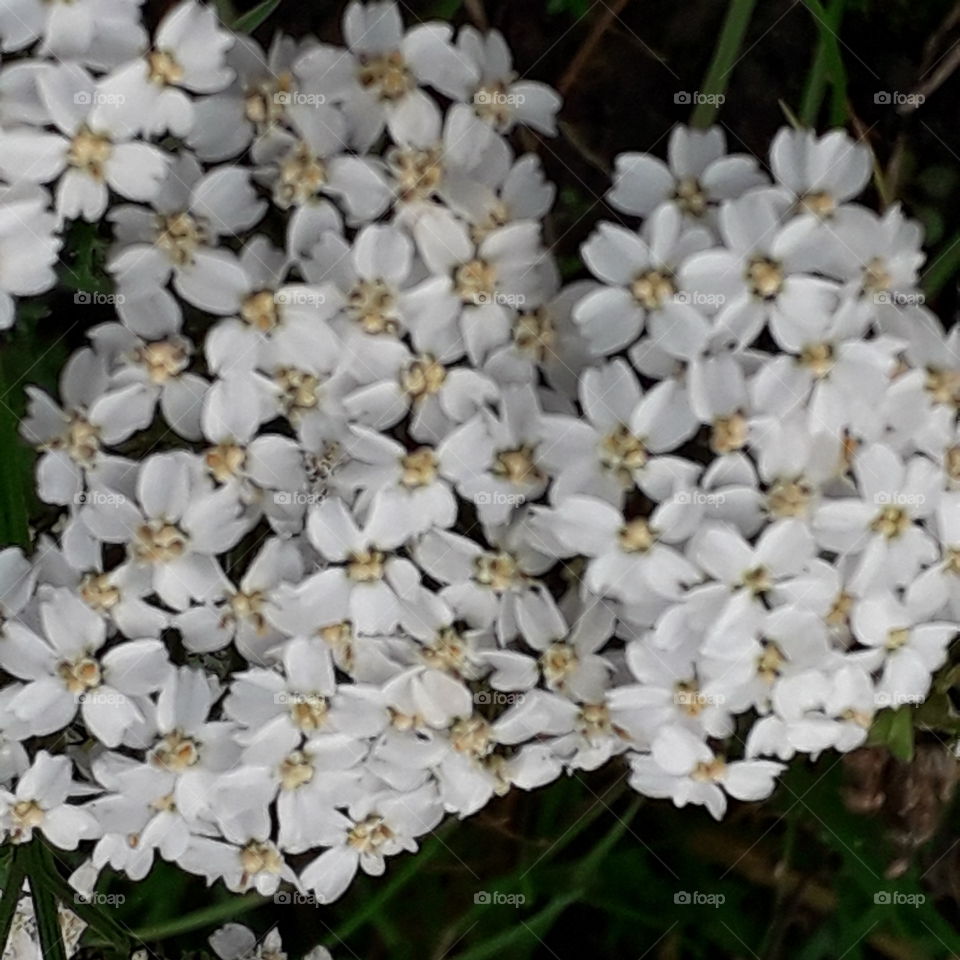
367,518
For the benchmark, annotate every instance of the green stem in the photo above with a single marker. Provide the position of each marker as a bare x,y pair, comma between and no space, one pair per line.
14,526
820,69
397,882
12,891
536,927
208,917
724,59
44,904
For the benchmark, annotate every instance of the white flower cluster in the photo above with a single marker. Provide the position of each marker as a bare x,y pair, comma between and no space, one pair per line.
369,519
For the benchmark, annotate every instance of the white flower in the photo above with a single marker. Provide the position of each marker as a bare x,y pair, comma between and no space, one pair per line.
40,803
683,768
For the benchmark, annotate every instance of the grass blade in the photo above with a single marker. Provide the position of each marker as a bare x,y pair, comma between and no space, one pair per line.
249,21
724,59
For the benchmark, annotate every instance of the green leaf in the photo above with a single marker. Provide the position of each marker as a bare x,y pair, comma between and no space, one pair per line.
44,905
725,57
14,524
826,66
900,735
252,19
12,887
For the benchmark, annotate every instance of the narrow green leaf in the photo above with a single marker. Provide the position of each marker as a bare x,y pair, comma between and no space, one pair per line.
900,740
12,889
725,57
216,913
44,871
535,928
44,905
833,59
823,67
249,21
14,525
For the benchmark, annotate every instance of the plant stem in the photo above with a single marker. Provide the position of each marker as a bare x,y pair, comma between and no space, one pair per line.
724,59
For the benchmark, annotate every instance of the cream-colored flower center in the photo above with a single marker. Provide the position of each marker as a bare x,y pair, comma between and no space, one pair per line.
164,69
176,752
447,652
89,152
517,467
302,176
98,593
295,770
757,580
225,461
729,433
80,675
262,106
373,305
534,333
424,377
159,542
80,440
369,835
897,638
387,76
764,278
770,662
499,571
366,566
260,310
891,522
623,453
711,771
789,498
163,359
839,613
690,197
258,858
419,469
417,173
339,637
653,289
818,358
308,711
299,390
472,737
179,235
557,663
820,203
26,815
944,387
876,277
636,536
475,282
